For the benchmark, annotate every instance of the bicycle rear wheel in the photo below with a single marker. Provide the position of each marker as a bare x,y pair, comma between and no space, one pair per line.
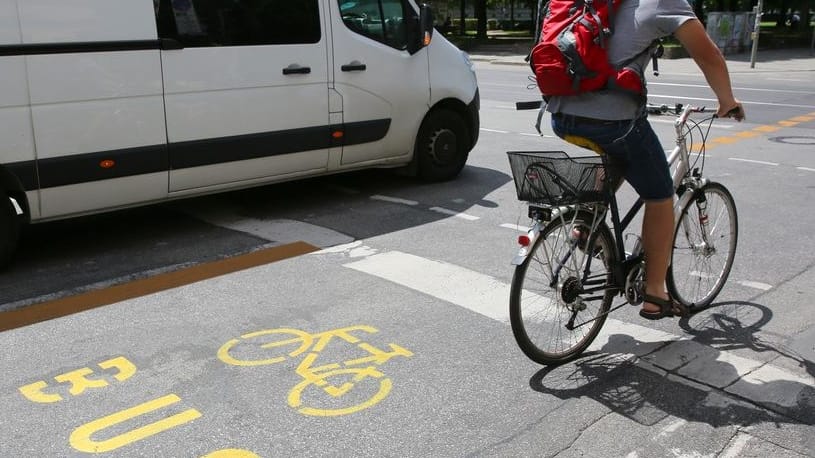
700,265
548,290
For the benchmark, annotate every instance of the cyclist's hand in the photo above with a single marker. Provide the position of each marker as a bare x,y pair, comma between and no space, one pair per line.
728,111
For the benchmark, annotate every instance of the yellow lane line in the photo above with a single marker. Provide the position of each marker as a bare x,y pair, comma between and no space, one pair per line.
142,287
788,123
746,134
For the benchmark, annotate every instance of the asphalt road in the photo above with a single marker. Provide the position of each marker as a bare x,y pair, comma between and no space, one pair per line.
408,294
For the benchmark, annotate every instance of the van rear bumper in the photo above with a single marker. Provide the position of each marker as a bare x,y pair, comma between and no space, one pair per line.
473,119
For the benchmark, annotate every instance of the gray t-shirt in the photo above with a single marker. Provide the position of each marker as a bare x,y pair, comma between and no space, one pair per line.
637,23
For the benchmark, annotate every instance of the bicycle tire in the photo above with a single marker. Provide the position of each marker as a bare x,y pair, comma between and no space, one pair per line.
538,311
697,272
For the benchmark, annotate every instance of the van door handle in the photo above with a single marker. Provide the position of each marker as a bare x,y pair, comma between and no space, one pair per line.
354,66
294,69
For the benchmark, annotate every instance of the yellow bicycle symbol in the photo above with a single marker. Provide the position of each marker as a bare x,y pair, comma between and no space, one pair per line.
335,379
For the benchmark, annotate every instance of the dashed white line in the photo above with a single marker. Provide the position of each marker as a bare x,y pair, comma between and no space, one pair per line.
807,169
515,227
671,121
755,284
752,161
494,130
394,200
454,213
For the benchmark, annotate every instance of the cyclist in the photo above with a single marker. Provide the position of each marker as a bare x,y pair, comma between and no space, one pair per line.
616,122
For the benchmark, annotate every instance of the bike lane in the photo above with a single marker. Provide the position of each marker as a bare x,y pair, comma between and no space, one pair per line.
378,361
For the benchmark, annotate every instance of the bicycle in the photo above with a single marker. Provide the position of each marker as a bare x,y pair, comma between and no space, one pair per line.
571,265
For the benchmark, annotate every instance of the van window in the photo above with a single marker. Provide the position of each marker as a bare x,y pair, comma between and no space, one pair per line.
381,20
238,22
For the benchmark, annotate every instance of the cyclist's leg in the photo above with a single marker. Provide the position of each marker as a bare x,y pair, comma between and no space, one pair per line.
657,224
649,174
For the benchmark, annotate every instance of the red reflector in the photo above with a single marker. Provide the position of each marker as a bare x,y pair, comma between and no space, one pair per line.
107,163
523,240
337,134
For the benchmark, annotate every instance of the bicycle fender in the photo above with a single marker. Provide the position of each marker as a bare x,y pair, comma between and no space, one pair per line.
524,251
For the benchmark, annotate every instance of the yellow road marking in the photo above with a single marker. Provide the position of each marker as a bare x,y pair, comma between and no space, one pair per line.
788,123
137,288
766,128
746,134
803,118
81,437
725,140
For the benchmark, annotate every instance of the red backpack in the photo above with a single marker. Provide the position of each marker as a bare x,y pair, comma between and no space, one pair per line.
572,56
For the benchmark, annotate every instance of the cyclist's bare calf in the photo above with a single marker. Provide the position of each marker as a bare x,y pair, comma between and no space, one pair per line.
657,233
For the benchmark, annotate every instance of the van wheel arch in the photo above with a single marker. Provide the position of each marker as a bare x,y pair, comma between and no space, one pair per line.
443,144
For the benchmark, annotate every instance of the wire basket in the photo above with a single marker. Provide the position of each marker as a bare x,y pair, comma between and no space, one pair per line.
554,178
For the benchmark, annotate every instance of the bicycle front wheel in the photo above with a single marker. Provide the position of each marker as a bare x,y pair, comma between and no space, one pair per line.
556,308
704,247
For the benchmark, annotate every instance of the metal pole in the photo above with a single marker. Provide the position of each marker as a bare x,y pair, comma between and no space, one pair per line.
756,30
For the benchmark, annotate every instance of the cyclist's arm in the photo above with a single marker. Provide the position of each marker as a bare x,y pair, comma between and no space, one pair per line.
707,56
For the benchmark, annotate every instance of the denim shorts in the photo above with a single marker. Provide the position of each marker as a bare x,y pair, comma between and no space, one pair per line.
635,148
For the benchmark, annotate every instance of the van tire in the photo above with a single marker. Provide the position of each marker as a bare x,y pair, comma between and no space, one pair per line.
9,229
442,146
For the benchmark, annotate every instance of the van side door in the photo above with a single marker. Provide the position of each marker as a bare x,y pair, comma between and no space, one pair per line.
246,90
96,105
385,90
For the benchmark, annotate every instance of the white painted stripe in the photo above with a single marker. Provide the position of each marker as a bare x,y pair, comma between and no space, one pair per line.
671,121
515,227
454,213
734,88
755,284
806,169
736,446
394,200
742,101
752,161
463,287
787,79
489,296
494,130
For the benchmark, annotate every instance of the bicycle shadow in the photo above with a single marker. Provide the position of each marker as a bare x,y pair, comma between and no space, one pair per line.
649,381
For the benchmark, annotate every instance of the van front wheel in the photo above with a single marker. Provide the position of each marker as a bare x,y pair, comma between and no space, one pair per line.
442,146
9,229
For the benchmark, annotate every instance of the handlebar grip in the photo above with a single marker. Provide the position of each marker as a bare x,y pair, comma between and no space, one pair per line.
533,105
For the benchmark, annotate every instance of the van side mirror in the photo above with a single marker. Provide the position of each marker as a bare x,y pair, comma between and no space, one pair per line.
421,33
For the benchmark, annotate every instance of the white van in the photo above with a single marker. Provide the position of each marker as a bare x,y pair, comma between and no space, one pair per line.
106,104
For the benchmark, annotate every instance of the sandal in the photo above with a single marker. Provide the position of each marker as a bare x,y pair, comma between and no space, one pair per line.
668,308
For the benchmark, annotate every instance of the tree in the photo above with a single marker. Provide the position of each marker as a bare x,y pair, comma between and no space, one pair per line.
480,8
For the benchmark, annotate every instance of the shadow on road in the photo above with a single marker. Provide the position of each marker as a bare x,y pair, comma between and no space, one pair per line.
617,377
